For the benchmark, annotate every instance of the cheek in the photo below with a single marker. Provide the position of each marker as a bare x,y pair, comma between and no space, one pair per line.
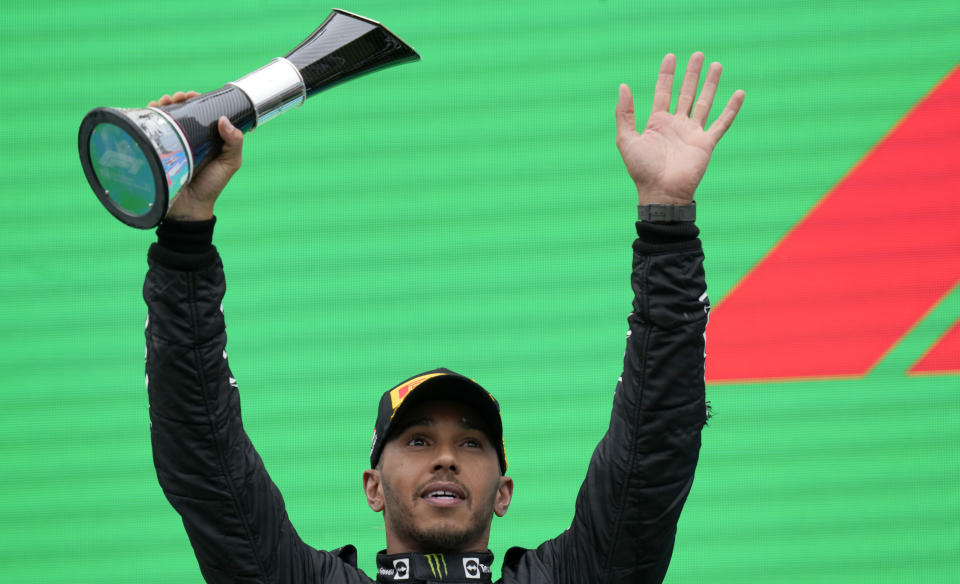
391,497
487,483
399,479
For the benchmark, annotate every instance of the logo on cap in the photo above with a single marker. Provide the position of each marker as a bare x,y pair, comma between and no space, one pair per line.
399,393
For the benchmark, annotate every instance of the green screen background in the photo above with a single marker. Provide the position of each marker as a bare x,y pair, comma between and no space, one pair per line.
467,211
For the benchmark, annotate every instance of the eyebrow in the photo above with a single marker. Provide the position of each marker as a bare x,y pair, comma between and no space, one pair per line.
465,423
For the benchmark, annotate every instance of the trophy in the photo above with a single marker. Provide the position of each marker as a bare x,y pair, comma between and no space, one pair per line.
137,159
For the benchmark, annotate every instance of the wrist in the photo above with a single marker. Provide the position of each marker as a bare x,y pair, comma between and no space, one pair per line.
647,196
188,217
183,209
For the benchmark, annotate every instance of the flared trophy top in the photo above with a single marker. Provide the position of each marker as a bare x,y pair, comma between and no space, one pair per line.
344,46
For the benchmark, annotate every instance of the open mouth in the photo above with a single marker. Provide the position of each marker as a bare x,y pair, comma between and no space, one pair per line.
443,494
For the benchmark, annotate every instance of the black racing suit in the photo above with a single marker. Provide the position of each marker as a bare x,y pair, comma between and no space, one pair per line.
626,513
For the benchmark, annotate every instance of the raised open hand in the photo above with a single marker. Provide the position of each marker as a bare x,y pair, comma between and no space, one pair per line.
668,159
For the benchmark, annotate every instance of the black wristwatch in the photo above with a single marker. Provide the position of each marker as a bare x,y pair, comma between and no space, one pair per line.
668,213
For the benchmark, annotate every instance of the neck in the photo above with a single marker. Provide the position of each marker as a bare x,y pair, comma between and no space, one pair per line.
416,567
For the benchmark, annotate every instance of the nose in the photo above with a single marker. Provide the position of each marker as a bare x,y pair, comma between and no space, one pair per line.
446,458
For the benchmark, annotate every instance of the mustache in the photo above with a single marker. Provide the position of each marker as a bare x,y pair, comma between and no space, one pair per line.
442,478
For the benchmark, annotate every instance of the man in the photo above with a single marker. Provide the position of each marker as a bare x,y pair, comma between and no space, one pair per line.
437,465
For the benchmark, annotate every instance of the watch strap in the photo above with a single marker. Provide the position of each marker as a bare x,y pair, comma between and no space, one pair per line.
668,213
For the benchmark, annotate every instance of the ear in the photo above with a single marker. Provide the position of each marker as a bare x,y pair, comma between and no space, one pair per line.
373,489
504,496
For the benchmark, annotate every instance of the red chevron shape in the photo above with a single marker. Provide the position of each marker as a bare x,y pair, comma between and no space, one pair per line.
867,263
944,357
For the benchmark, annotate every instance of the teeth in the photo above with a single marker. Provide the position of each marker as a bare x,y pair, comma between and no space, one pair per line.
445,494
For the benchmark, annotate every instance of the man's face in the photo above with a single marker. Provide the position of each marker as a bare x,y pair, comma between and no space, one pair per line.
438,482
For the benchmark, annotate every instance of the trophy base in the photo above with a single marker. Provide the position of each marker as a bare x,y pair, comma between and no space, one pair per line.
135,160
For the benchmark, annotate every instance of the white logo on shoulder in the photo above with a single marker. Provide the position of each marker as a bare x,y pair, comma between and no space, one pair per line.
401,569
471,568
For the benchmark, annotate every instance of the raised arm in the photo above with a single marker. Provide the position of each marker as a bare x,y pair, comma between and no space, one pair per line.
206,464
641,472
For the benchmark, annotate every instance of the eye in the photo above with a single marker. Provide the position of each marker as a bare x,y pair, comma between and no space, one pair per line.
416,441
473,443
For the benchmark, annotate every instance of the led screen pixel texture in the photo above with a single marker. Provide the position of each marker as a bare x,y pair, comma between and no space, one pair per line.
467,211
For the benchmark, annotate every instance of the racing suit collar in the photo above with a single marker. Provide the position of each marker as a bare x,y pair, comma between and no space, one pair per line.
422,568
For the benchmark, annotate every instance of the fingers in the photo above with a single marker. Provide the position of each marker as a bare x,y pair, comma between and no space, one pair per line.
688,91
705,101
177,97
664,90
690,80
626,122
729,113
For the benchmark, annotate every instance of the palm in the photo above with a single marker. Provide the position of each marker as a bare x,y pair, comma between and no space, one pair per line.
667,160
207,184
197,198
669,157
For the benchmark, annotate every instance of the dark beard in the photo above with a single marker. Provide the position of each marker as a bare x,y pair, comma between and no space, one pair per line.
444,538
440,540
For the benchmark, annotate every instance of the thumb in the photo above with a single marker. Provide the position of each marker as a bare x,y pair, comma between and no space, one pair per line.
232,140
232,137
626,124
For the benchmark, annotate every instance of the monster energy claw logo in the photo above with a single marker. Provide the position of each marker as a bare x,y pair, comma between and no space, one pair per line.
438,565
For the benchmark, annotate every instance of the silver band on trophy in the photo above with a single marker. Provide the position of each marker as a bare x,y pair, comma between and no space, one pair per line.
273,89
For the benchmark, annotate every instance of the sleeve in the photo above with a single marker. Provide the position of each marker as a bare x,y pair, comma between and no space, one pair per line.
208,468
641,472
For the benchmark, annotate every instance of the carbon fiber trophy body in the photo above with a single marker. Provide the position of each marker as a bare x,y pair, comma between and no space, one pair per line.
137,159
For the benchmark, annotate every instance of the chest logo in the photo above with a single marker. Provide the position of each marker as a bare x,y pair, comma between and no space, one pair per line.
438,565
401,569
471,568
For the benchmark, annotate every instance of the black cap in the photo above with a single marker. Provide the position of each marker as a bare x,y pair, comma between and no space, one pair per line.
438,384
